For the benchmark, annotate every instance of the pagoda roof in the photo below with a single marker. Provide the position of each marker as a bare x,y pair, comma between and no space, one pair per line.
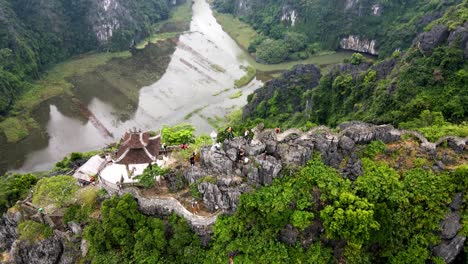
138,148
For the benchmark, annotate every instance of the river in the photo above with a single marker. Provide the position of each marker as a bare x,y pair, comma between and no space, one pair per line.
197,84
190,82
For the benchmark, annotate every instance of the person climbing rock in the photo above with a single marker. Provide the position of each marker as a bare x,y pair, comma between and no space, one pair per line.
277,130
241,154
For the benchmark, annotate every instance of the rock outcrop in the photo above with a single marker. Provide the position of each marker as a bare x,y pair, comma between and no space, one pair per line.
268,153
356,43
428,41
452,243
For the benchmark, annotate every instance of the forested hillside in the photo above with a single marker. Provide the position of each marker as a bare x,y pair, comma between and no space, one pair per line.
424,87
307,26
37,34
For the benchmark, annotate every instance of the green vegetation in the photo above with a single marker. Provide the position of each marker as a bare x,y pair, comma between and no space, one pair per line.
32,39
57,191
371,211
67,163
324,23
14,188
248,39
148,178
178,22
247,78
178,134
241,32
235,95
33,231
433,126
424,92
124,235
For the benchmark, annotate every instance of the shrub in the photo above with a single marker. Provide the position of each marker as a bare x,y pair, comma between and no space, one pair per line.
178,134
357,58
58,191
14,188
34,231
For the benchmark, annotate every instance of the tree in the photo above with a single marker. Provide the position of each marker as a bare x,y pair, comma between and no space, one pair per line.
350,218
272,51
178,134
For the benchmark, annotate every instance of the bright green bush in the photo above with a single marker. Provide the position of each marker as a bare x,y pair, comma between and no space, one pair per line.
178,134
58,191
14,188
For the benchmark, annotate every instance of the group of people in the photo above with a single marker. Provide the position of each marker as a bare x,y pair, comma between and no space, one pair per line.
230,134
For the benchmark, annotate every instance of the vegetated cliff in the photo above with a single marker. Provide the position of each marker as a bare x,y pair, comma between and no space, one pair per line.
428,79
36,34
370,26
286,196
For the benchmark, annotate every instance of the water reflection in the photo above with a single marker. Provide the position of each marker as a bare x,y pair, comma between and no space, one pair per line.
205,62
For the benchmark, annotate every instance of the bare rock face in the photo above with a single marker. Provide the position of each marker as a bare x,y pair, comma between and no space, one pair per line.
450,226
8,234
216,161
428,41
449,250
359,44
51,250
459,38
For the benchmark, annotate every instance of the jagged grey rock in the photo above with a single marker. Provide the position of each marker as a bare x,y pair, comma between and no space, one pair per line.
75,228
457,201
8,224
269,168
193,174
450,226
428,41
289,235
41,252
216,161
449,250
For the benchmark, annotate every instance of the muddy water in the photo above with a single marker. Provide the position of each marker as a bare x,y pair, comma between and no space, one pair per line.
205,61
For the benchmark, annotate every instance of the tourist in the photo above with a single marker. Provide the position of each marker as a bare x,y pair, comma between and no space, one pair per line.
164,147
230,135
247,135
241,154
277,130
192,159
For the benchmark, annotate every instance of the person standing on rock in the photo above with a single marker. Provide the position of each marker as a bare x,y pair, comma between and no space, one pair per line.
247,135
230,135
192,158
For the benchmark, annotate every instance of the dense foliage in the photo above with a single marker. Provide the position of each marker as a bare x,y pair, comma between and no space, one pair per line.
124,235
35,35
148,178
14,188
371,213
58,191
178,134
393,24
418,90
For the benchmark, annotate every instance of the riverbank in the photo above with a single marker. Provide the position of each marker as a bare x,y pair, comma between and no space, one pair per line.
59,79
243,33
178,23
